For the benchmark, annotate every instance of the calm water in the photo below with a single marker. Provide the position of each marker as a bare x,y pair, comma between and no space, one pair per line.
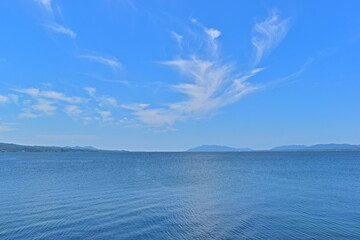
180,195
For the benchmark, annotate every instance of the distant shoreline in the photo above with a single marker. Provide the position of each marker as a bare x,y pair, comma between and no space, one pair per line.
10,147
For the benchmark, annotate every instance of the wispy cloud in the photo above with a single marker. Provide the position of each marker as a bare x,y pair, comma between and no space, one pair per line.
61,29
209,83
105,116
157,117
51,22
52,95
44,103
4,99
7,127
91,91
108,61
102,101
212,85
73,111
178,37
36,103
46,4
40,108
267,34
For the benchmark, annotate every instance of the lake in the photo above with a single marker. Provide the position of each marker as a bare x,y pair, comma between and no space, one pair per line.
248,195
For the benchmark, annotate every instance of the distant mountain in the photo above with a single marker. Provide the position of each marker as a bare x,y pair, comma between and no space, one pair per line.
289,148
9,147
318,147
83,148
217,148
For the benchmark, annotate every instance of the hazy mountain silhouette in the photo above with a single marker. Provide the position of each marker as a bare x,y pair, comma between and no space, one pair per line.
217,148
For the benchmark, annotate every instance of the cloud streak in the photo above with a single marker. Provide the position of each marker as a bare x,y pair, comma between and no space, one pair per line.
61,29
52,24
44,103
208,84
107,61
268,34
46,4
52,95
4,99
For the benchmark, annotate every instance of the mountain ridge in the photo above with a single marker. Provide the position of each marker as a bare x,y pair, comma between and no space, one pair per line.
217,148
10,147
316,147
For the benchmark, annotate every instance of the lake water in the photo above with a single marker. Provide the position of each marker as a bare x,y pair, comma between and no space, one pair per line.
257,195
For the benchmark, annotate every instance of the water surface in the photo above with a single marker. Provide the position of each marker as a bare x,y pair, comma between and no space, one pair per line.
257,195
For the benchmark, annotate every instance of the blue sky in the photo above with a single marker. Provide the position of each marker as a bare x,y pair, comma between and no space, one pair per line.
169,75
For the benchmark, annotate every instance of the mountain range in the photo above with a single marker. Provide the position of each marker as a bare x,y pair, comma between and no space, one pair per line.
317,147
9,147
217,148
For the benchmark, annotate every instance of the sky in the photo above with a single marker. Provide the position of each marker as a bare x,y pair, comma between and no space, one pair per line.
165,75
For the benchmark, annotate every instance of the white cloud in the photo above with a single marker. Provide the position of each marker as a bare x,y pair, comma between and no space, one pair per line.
91,91
41,108
102,101
108,102
76,113
33,92
213,33
213,86
53,95
4,99
157,117
46,4
14,98
135,107
105,116
60,96
51,22
37,103
26,113
268,34
61,29
73,111
209,84
45,103
108,61
179,38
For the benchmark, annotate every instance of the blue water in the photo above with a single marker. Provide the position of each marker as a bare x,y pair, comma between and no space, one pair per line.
269,195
